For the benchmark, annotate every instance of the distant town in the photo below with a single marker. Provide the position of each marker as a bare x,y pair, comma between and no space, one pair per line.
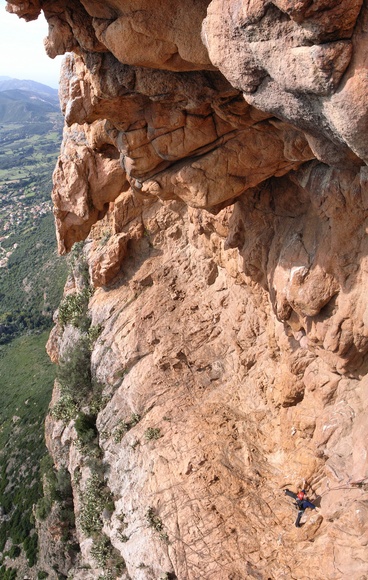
30,137
18,210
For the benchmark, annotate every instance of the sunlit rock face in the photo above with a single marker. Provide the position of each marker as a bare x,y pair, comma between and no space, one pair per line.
189,136
301,61
215,154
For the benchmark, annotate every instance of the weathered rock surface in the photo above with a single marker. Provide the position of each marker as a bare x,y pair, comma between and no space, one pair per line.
215,153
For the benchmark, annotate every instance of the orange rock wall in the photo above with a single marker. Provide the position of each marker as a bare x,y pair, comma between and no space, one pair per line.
215,154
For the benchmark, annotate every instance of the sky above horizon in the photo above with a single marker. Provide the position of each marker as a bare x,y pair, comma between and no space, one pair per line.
22,54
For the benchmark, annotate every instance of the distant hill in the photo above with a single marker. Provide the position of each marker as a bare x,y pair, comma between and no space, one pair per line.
21,106
7,83
24,101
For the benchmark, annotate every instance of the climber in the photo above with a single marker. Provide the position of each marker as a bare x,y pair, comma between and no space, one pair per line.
301,502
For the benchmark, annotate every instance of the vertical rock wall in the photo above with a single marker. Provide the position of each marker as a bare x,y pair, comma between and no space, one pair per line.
215,155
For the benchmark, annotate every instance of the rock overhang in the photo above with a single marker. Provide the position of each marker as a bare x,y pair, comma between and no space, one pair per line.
269,94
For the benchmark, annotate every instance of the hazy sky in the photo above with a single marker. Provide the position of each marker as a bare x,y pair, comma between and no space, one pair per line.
22,55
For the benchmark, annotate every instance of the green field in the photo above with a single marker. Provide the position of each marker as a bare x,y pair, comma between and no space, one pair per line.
27,150
31,286
26,380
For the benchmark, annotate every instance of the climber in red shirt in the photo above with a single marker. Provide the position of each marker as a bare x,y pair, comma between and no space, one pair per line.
301,503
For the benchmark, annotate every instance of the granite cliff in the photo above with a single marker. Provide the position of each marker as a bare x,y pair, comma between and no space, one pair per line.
214,158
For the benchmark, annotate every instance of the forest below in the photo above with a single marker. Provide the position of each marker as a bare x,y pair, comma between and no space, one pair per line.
32,277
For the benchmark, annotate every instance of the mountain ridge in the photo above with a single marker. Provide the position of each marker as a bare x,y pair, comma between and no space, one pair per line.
26,104
7,83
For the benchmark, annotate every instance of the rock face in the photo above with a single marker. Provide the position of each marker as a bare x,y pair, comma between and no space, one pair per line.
215,154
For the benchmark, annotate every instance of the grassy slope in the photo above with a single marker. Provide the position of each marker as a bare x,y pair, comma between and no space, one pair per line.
35,276
29,149
19,105
26,380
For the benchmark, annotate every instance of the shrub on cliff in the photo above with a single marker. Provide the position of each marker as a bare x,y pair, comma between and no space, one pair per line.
152,433
73,309
78,265
85,426
102,551
64,409
63,484
125,426
74,371
56,488
95,498
107,557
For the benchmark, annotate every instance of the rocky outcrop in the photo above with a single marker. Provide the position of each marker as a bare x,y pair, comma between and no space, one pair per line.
215,156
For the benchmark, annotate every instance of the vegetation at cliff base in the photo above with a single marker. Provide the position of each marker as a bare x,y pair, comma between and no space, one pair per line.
31,285
32,277
26,381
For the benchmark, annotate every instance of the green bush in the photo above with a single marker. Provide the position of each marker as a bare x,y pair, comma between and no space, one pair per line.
7,504
64,409
46,464
152,433
98,401
153,520
93,333
14,551
74,370
120,432
125,426
8,573
73,309
78,265
3,537
94,500
43,508
21,526
107,557
67,516
63,484
57,487
102,551
85,426
156,523
30,546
